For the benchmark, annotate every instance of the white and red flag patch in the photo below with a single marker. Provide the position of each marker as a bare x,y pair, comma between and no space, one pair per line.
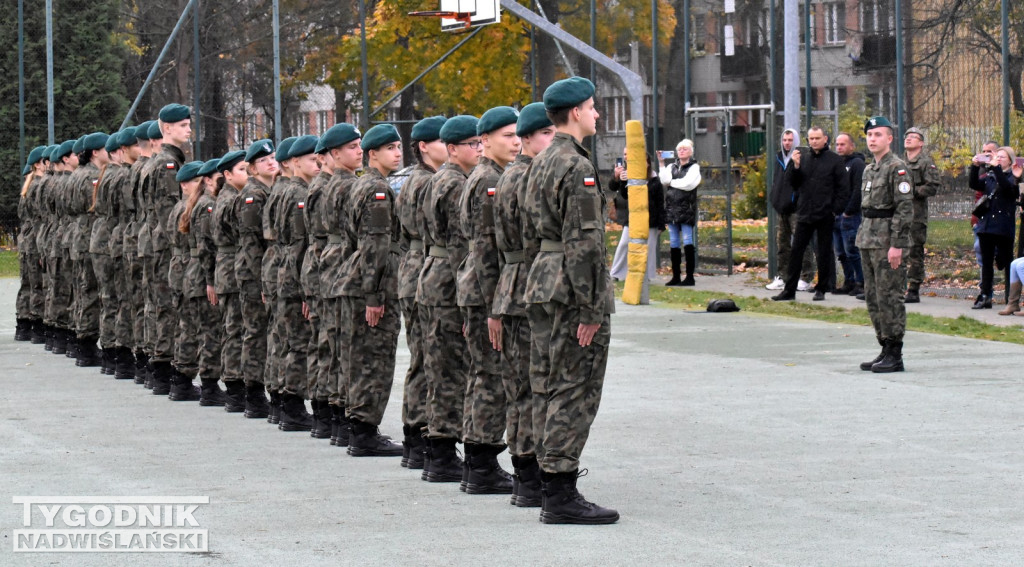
170,165
490,191
248,200
589,181
380,196
302,204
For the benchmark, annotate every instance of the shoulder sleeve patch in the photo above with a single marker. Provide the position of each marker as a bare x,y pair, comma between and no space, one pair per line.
904,188
901,172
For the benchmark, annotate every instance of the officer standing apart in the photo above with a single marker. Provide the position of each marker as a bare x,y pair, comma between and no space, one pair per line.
568,290
888,209
925,177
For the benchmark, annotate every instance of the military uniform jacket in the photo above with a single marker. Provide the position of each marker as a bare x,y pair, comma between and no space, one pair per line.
271,258
887,189
479,270
201,253
79,190
443,239
251,244
132,207
164,192
925,177
63,207
508,236
106,208
47,209
563,232
31,221
290,226
371,272
408,207
339,242
37,195
316,234
225,237
179,246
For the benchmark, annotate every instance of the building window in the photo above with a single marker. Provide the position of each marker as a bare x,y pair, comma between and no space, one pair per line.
880,101
702,124
616,114
322,122
803,28
699,33
300,126
834,98
757,117
876,17
835,23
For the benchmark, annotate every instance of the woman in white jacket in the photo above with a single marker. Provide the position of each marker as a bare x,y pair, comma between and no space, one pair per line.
680,179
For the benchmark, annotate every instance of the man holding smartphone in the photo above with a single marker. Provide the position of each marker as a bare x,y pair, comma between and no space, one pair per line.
925,177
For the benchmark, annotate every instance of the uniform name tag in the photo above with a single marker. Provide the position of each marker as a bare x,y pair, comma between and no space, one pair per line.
379,196
589,181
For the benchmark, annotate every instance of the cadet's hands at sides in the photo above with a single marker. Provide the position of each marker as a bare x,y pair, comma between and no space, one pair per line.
895,257
305,310
494,331
585,333
211,295
373,315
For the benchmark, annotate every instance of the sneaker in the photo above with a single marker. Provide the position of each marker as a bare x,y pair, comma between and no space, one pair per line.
776,284
803,286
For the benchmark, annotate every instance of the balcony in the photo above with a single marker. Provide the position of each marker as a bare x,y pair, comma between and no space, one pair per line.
747,62
876,51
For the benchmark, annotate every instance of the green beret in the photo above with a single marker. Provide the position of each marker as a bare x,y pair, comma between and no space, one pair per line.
26,170
77,146
229,160
532,117
209,167
154,131
917,131
337,135
189,171
175,113
497,117
567,93
35,155
63,150
48,153
113,144
127,137
458,128
142,130
95,141
258,149
877,122
303,145
428,129
284,148
380,135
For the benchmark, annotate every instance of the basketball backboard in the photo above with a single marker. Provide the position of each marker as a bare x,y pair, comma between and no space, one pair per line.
483,12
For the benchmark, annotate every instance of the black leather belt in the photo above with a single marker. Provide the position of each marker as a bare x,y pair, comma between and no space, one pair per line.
878,213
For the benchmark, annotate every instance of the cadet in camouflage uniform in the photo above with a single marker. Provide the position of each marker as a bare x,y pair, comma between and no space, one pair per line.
105,207
68,234
430,152
58,267
320,383
445,360
123,286
536,132
132,316
293,329
146,220
162,192
342,142
888,209
268,278
248,214
487,400
186,340
43,239
225,237
569,293
30,300
925,178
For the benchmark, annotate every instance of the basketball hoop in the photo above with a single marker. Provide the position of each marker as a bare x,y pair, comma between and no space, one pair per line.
465,17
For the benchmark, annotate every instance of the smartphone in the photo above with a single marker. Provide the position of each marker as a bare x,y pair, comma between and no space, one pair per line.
804,150
983,158
619,162
1019,162
668,154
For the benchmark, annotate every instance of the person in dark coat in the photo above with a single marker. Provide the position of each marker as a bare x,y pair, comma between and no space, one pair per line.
844,234
996,224
656,209
680,180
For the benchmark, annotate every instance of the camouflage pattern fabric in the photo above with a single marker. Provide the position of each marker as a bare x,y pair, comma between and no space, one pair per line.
248,265
925,177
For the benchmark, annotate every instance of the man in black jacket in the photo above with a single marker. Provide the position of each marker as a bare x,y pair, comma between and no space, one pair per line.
784,202
844,235
822,186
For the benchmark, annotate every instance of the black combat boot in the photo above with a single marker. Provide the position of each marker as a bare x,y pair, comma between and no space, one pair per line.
485,473
527,490
210,393
677,259
256,406
335,422
89,355
428,451
563,504
344,428
913,295
182,388
292,414
124,364
444,465
893,359
691,262
73,343
366,441
22,330
234,396
163,372
50,332
867,365
470,449
108,361
274,412
38,333
60,341
141,367
322,420
412,457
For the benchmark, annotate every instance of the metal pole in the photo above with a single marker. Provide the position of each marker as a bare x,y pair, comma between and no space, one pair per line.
21,82
809,97
277,71
49,72
654,75
197,117
791,64
156,64
686,63
771,57
558,44
533,64
900,126
593,74
364,121
1006,71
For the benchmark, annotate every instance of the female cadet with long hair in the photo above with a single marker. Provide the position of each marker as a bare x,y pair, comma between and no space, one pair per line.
29,317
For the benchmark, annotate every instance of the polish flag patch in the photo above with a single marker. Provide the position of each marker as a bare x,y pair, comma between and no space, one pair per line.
901,172
95,181
589,181
380,196
248,200
490,191
302,204
170,165
209,209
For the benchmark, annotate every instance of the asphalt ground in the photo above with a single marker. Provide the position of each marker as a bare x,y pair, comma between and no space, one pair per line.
722,439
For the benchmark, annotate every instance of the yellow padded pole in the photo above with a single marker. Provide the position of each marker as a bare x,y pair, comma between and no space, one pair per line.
635,291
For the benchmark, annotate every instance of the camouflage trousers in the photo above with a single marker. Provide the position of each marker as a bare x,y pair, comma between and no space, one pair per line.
486,407
523,421
275,358
108,277
87,298
21,302
371,359
31,302
294,333
414,394
254,334
569,379
446,365
58,294
231,336
338,337
131,306
197,348
162,318
883,290
914,256
787,227
320,386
